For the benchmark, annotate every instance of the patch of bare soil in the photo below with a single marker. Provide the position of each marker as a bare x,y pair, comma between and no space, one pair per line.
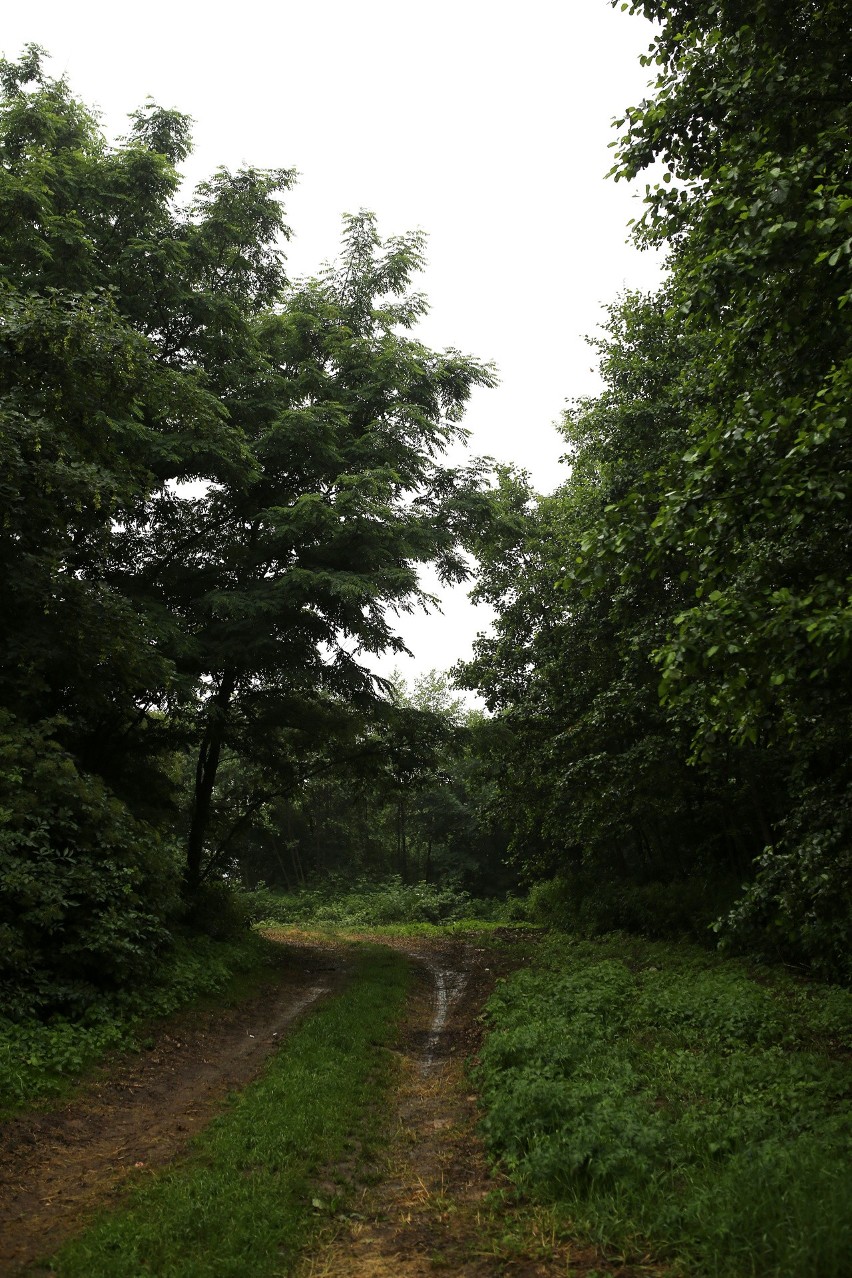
437,1208
58,1167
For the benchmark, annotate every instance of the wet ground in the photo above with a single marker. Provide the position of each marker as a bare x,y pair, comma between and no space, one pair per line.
57,1167
435,1206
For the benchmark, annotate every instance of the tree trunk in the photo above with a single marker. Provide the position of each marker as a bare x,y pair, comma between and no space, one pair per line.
402,843
205,780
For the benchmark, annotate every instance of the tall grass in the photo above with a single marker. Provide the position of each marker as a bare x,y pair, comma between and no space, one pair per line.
659,1096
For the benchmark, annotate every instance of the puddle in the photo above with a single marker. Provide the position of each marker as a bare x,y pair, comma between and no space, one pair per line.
295,1009
449,984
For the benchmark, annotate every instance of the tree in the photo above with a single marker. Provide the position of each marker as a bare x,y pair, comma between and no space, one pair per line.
284,574
672,649
751,119
119,310
115,306
147,344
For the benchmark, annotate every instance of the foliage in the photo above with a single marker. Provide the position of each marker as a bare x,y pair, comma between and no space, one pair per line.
402,789
661,1098
751,120
671,653
217,489
247,1197
585,905
368,903
86,887
595,785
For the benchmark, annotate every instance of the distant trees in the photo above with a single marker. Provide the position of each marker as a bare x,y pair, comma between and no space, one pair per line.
672,646
405,790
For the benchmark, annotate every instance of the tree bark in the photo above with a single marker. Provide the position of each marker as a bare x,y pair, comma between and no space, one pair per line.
205,780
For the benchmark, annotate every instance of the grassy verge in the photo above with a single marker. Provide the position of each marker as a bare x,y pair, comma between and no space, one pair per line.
458,927
247,1199
369,904
659,1098
43,1059
484,928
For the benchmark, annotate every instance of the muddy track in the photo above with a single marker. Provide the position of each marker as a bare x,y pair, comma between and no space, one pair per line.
433,1207
57,1167
438,1206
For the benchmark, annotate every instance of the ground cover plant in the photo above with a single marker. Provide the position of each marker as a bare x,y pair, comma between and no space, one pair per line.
661,1098
370,903
248,1197
40,1058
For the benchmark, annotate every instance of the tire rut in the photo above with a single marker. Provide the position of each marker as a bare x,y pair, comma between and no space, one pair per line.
59,1166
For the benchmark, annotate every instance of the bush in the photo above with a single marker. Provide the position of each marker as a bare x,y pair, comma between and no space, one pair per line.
799,906
366,903
87,892
591,906
221,911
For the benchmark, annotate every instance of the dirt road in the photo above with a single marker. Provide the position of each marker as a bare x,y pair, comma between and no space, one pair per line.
436,1205
58,1167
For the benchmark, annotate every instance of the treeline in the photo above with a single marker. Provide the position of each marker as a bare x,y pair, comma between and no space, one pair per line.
671,656
217,486
406,793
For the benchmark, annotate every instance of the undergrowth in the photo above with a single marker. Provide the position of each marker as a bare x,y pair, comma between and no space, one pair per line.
39,1059
367,903
249,1198
660,1097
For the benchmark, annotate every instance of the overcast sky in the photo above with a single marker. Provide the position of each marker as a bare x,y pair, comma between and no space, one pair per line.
485,125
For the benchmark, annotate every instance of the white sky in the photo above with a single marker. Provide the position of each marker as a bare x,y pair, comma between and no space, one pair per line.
487,125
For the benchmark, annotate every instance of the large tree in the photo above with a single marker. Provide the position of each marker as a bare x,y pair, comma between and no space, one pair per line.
281,578
217,486
672,650
116,305
122,312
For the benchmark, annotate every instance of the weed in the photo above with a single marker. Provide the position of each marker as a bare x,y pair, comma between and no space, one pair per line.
656,1092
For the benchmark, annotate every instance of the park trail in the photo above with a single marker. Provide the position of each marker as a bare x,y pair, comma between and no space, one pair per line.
432,1206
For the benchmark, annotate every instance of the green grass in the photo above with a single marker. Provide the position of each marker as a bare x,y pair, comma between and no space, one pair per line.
44,1059
661,1098
246,1200
458,927
485,928
368,904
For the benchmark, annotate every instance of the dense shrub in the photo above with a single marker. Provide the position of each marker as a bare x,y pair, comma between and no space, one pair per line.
87,891
367,903
799,905
591,905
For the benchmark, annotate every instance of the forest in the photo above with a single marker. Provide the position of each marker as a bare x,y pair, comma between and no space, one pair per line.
219,487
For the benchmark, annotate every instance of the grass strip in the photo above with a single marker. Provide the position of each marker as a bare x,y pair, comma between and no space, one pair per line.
246,1200
663,1099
